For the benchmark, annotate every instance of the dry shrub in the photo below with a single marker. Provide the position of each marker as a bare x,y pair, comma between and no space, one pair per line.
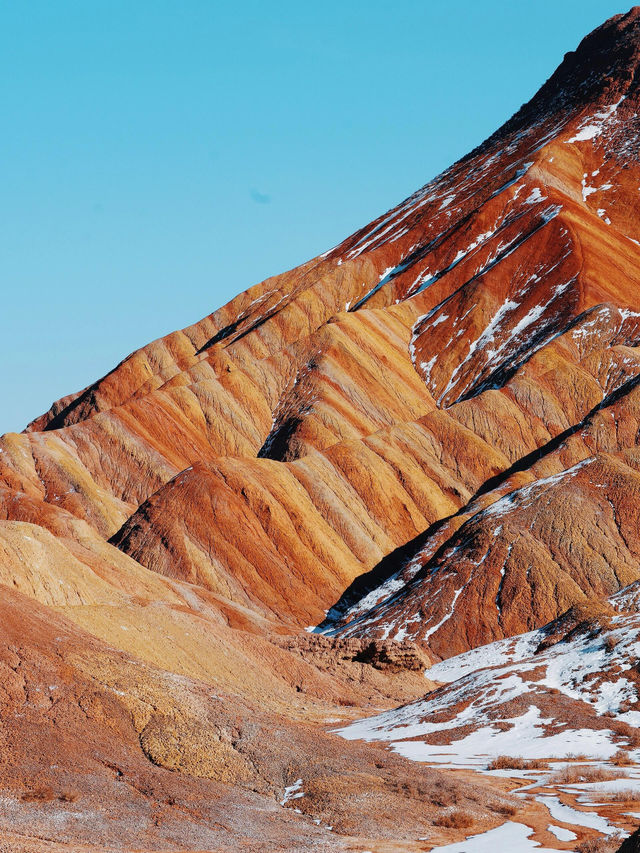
622,758
626,796
454,820
508,762
507,809
537,764
610,642
572,774
444,795
43,794
69,796
598,845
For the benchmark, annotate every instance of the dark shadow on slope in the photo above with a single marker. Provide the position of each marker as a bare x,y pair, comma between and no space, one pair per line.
277,442
254,326
395,560
381,572
499,377
535,455
220,335
232,328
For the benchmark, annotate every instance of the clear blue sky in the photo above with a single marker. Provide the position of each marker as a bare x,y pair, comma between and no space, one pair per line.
158,157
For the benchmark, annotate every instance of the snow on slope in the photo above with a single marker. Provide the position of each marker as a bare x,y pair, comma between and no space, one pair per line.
538,698
510,836
506,698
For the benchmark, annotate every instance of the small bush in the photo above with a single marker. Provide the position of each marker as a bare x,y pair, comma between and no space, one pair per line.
507,762
454,820
69,797
507,809
625,796
572,774
622,758
537,764
598,845
444,795
43,794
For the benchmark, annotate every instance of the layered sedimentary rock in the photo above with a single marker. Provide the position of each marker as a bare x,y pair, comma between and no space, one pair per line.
507,286
423,441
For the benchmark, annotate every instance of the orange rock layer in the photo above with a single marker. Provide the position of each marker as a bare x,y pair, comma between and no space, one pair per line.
427,434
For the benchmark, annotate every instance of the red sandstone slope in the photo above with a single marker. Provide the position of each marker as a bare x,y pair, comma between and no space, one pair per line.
508,287
430,431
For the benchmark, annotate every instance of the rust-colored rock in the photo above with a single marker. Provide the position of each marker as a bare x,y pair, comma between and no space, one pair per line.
424,441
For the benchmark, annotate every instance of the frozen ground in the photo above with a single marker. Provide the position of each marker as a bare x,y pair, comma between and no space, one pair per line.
472,719
510,836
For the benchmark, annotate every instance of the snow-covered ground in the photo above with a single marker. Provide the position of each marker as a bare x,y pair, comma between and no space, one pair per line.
472,718
589,670
508,837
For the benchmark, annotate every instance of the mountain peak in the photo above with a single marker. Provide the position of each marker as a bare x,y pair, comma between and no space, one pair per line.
607,58
604,66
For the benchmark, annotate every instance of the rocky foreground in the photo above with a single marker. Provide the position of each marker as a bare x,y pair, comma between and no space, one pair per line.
353,563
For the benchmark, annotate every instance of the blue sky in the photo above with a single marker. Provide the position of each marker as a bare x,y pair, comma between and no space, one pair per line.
159,157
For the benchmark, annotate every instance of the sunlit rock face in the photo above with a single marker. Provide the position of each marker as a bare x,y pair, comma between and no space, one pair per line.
421,442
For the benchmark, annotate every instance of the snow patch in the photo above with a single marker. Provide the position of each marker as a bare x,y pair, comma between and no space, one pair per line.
561,833
535,196
591,128
292,792
508,837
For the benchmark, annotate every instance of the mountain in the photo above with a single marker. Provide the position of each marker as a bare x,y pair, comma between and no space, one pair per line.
421,447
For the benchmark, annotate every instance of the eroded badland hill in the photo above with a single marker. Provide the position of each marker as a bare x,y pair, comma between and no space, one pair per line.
423,443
